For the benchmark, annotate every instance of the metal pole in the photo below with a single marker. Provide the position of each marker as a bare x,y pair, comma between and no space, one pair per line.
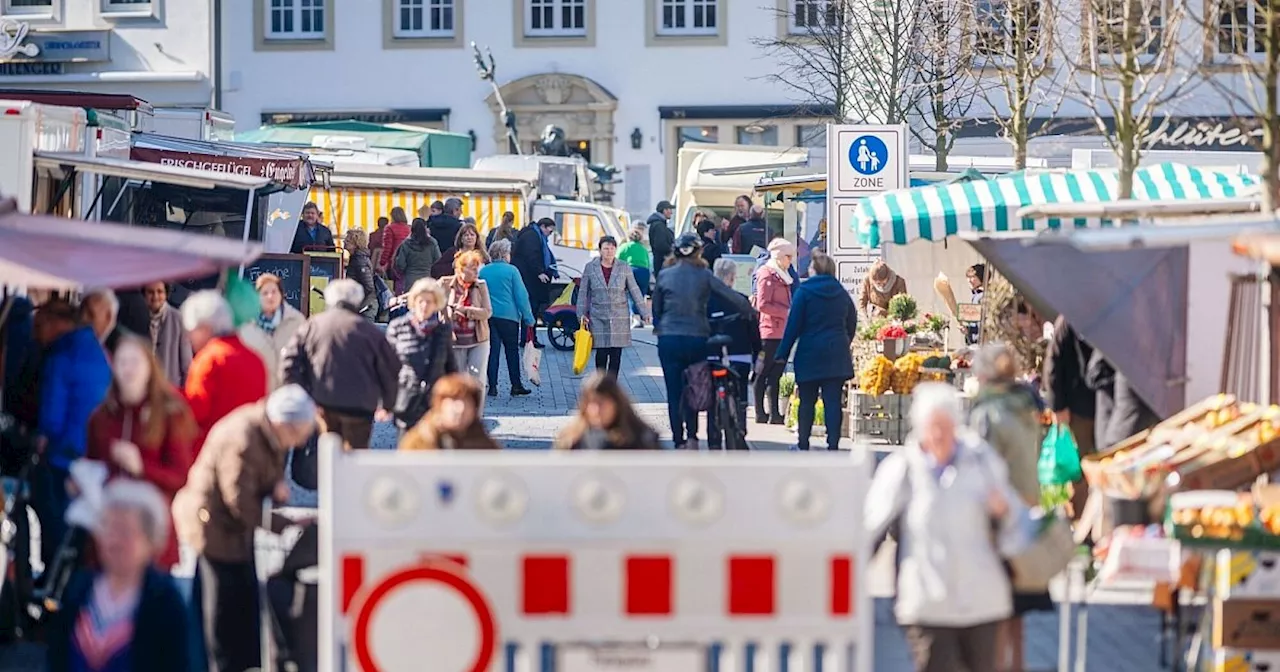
123,188
487,71
248,212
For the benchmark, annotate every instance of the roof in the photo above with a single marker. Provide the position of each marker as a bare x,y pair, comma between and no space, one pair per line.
151,172
97,101
434,147
370,176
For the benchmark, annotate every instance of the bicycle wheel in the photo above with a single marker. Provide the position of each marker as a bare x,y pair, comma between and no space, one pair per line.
724,425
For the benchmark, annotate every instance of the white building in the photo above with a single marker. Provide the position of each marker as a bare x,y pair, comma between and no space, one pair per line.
157,50
628,81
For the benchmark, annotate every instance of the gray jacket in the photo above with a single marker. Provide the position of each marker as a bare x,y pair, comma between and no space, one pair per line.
605,303
951,574
680,300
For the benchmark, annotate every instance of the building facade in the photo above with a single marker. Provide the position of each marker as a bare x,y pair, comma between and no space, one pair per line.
158,50
629,82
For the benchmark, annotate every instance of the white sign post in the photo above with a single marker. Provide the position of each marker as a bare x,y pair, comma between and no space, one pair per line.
861,161
457,561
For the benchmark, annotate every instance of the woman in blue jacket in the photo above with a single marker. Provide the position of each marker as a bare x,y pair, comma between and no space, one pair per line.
511,311
823,320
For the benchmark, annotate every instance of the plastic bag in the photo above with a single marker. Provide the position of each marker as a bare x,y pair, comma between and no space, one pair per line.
582,342
532,362
1059,457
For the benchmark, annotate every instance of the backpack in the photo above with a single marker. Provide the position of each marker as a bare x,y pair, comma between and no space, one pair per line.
697,387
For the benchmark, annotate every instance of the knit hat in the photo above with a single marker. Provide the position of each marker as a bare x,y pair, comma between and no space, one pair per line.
779,247
291,405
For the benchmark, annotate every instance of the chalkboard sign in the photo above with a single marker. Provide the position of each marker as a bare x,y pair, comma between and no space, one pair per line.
293,271
324,267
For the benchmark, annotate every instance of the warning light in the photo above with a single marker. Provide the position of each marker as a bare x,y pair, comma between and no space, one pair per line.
582,144
12,112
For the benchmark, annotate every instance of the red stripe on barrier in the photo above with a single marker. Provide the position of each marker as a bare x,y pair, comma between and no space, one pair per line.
546,585
457,558
751,585
841,585
352,578
649,587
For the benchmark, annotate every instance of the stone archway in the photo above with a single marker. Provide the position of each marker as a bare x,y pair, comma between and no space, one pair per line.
583,108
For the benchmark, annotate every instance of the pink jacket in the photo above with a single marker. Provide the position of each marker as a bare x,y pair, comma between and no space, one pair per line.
773,300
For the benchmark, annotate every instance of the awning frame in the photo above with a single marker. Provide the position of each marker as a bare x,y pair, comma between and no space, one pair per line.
149,172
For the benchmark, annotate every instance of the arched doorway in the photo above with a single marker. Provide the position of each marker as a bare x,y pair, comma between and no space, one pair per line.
581,107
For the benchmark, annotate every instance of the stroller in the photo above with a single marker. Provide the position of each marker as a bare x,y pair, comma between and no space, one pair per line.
561,317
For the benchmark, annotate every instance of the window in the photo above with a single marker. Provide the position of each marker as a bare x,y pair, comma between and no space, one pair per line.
295,19
808,16
1111,26
129,7
811,136
754,134
696,134
424,18
36,7
563,18
1241,28
1000,22
687,17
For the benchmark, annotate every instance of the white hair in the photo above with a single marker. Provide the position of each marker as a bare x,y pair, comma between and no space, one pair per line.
207,308
346,291
500,249
930,399
104,294
757,210
126,494
726,270
993,363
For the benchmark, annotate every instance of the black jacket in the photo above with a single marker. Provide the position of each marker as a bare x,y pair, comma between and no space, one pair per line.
160,626
752,233
682,296
711,250
444,228
424,360
527,257
661,238
744,330
302,239
360,269
1120,412
1065,366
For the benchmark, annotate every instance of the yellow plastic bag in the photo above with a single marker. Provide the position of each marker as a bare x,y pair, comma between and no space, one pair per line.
581,350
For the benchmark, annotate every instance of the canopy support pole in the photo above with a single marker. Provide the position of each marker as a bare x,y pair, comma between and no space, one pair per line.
97,198
117,201
248,213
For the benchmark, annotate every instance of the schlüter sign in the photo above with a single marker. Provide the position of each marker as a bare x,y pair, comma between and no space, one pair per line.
288,172
1166,134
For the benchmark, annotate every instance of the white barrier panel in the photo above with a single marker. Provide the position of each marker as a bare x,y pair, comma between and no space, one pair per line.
577,562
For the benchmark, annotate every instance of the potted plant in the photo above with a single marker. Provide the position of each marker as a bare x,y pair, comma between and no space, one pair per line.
786,390
893,340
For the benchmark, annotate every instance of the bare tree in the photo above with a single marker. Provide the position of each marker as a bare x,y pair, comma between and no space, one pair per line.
1245,36
1011,49
1124,68
946,78
858,56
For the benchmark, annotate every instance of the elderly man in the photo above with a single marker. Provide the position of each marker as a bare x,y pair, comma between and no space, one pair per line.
754,233
225,373
346,363
444,226
661,236
219,508
171,344
99,309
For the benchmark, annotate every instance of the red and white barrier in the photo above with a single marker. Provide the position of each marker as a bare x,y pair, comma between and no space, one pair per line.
452,557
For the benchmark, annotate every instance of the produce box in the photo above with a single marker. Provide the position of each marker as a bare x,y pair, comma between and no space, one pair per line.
1251,574
1245,660
881,405
1226,519
879,429
1246,624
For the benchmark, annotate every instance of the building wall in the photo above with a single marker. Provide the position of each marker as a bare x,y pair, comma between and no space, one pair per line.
601,87
159,51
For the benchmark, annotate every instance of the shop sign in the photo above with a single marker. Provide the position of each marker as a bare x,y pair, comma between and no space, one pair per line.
288,172
20,45
1167,134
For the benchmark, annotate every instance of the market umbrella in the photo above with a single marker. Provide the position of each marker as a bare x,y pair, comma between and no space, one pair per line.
1130,304
69,254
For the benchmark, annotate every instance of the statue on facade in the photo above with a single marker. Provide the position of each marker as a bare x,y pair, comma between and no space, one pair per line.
553,142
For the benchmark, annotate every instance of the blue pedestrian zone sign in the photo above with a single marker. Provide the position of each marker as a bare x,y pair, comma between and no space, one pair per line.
868,155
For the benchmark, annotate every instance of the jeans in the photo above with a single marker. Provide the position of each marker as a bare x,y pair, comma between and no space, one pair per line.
677,353
504,337
714,438
49,501
609,359
642,279
766,385
228,593
473,360
830,389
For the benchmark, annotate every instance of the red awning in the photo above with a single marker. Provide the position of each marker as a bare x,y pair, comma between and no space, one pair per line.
97,101
66,254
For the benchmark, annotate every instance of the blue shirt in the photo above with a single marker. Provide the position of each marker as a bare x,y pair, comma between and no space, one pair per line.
508,297
73,382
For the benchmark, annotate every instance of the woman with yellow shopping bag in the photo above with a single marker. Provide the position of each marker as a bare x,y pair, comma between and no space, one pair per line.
607,282
581,350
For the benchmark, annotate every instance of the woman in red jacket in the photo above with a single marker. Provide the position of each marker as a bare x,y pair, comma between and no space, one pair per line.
144,428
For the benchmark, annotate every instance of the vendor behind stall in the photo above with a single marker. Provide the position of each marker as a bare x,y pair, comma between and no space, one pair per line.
879,287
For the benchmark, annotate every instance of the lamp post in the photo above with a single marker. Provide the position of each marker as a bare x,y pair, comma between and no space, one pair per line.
485,67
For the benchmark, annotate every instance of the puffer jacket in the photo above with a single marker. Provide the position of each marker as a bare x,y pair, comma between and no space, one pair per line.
1005,417
681,297
360,269
773,300
413,260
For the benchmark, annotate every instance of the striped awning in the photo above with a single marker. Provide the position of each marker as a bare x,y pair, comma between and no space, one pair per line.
935,212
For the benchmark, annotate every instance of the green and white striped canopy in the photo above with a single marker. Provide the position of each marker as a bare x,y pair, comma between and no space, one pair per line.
938,211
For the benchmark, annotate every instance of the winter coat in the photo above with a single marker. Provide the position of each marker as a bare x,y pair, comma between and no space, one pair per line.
481,310
870,296
605,303
752,234
508,297
424,359
711,251
661,240
745,330
773,300
302,239
343,361
425,436
824,322
173,348
165,462
225,375
527,257
1065,366
269,346
950,573
1007,418
413,260
1119,411
161,624
681,296
392,238
74,380
635,253
219,508
360,269
444,228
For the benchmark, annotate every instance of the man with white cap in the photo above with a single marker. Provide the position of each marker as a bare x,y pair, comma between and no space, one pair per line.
216,513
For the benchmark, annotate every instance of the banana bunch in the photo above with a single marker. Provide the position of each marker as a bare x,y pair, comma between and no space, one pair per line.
877,377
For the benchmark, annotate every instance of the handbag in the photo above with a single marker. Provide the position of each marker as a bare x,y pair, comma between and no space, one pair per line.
412,402
697,387
582,342
1050,551
532,363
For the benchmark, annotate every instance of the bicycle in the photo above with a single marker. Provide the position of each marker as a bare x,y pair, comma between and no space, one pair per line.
726,416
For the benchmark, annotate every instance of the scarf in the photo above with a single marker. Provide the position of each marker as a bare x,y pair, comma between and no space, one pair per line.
783,274
156,318
887,285
425,327
268,323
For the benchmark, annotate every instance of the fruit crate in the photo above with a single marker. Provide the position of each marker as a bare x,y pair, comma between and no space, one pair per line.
890,406
879,430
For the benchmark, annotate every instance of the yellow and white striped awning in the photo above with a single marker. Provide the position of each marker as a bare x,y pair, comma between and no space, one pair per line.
342,209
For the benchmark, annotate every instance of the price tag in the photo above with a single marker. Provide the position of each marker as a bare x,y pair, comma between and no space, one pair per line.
632,658
969,312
